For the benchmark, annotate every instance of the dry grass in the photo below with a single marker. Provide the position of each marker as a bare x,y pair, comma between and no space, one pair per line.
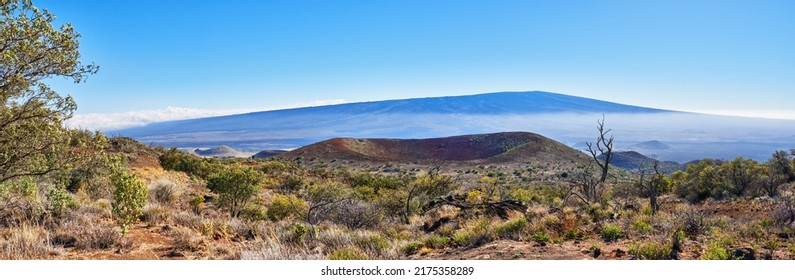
186,239
156,214
26,242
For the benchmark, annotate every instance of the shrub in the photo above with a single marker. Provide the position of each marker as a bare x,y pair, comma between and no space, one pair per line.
186,239
284,206
463,239
357,214
374,244
155,214
541,237
650,251
235,186
642,227
611,233
129,199
702,180
292,183
98,237
59,200
436,242
254,212
524,196
412,248
196,204
693,223
718,249
164,192
176,160
297,232
512,229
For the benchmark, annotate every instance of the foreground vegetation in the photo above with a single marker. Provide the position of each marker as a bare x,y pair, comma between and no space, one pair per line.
199,208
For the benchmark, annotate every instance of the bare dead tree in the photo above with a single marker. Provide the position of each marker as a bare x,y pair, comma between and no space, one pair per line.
586,186
435,185
651,187
604,147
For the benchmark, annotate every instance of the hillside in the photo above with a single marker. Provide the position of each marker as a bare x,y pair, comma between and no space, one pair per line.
479,148
267,153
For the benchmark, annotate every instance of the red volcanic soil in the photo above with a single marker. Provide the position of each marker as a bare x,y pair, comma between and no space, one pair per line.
495,147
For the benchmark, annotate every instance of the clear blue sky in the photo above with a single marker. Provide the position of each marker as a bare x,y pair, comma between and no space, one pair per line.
686,55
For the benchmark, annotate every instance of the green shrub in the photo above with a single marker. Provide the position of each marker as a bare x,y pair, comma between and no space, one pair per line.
436,242
196,204
718,249
292,183
412,248
298,232
59,200
176,160
129,199
463,239
235,186
254,212
524,196
284,206
541,237
650,251
611,233
511,229
642,227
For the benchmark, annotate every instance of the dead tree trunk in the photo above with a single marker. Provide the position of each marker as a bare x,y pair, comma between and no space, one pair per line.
604,147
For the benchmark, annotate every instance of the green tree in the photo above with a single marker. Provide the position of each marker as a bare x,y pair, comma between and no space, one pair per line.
702,180
652,185
780,165
743,175
33,141
129,198
235,186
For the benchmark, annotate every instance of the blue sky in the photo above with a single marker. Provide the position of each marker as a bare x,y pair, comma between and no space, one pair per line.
213,57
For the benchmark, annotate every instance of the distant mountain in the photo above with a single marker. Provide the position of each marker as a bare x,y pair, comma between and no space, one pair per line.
222,151
567,119
479,148
292,128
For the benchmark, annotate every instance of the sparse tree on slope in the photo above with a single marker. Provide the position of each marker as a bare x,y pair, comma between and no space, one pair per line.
33,141
235,186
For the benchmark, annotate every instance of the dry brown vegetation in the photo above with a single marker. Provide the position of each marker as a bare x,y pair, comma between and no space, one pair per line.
317,210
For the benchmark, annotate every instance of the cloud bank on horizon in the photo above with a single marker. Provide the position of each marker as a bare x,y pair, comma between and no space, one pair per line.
112,121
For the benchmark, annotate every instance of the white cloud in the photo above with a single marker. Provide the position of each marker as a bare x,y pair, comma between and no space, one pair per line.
111,121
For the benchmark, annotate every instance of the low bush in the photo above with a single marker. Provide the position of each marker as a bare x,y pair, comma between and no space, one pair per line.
512,229
611,233
283,206
650,250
